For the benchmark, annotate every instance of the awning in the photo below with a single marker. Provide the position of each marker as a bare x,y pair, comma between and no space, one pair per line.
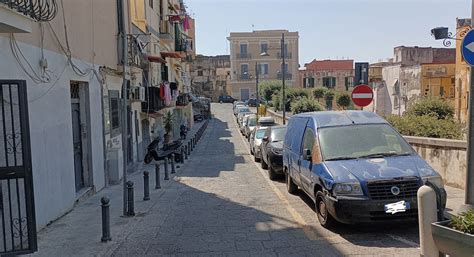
171,55
155,58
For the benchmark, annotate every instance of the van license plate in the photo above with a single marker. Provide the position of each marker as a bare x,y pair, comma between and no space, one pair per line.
397,207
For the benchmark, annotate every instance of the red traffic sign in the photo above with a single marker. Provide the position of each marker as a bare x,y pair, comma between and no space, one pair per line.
362,95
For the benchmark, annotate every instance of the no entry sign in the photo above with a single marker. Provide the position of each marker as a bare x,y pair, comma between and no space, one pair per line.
362,95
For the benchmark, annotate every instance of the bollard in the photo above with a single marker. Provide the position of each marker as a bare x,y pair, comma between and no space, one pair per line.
130,200
167,176
182,155
186,152
146,185
426,215
173,168
105,219
192,145
189,148
157,176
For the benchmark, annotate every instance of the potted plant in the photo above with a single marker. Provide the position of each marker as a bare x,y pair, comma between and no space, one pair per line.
456,236
168,124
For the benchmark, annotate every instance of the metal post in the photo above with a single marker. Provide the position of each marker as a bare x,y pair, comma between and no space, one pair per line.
283,75
173,168
157,176
189,148
146,185
124,105
469,192
182,155
105,219
130,200
186,150
167,176
256,83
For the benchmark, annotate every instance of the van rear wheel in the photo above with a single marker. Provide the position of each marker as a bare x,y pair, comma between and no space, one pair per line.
324,217
291,187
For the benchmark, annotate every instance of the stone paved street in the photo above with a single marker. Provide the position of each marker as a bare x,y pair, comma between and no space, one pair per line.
221,203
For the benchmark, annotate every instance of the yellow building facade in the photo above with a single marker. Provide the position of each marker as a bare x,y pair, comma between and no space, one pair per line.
438,80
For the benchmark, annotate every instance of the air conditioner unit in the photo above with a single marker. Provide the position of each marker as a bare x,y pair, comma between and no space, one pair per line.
136,94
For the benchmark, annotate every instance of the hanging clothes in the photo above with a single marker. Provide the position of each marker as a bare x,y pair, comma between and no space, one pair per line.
167,94
162,91
186,23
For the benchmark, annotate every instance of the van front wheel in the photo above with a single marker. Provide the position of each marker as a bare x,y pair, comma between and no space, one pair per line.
324,217
291,187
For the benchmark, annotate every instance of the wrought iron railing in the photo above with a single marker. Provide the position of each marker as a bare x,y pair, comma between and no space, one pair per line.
39,10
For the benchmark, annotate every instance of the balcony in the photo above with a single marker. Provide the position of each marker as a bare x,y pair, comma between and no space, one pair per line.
244,56
17,16
183,100
166,30
244,77
153,103
288,76
287,55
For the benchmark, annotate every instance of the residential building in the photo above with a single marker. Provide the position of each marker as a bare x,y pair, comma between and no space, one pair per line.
402,77
438,80
246,58
463,72
210,76
332,74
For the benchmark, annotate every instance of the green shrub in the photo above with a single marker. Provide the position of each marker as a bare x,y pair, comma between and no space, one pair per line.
344,100
305,104
432,106
319,92
268,88
276,102
463,222
426,126
329,97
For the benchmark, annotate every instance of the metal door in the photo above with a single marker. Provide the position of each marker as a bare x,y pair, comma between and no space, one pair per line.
146,133
17,208
77,143
244,94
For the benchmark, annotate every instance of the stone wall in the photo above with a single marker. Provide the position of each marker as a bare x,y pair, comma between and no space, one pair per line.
448,157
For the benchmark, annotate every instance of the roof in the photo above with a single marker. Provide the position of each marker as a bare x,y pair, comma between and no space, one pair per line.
330,65
342,118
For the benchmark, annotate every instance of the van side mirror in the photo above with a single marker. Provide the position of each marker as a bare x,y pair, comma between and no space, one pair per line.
265,139
307,154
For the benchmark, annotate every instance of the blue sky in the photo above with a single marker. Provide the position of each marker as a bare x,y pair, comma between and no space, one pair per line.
363,30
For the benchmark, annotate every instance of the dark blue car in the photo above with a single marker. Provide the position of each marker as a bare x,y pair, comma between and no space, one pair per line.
355,167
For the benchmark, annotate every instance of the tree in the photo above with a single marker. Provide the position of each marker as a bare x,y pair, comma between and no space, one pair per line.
319,93
305,104
343,100
268,88
432,106
329,97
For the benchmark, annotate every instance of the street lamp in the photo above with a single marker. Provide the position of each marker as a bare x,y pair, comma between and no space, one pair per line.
283,68
442,33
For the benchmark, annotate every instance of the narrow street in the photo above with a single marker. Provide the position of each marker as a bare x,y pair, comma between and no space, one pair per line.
225,205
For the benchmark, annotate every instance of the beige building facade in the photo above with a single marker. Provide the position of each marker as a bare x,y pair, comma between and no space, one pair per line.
246,58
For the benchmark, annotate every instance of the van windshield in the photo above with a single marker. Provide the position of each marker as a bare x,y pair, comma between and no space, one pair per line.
278,134
361,141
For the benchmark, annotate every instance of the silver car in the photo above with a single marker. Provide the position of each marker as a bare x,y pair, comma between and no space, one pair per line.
250,125
240,117
256,141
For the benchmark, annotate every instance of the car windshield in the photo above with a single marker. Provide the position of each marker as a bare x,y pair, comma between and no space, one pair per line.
260,133
244,110
278,134
361,141
252,121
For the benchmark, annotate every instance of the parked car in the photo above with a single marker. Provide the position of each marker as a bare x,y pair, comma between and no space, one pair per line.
249,126
252,102
240,109
355,166
241,116
237,103
266,121
256,141
272,151
244,122
226,99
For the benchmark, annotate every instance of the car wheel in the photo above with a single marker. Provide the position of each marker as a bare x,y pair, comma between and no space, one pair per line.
271,173
264,164
324,217
255,158
220,102
251,150
291,187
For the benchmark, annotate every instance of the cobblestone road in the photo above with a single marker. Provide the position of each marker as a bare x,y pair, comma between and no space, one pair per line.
226,206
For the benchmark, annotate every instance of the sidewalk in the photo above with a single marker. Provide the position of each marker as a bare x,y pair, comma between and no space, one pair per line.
78,233
455,199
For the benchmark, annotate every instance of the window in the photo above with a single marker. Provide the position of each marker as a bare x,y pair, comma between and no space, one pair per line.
150,2
308,139
244,71
114,112
263,69
349,82
263,47
243,50
308,82
278,134
329,82
200,73
164,72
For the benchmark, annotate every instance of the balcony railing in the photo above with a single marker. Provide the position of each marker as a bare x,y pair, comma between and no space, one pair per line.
287,55
244,56
183,100
39,10
244,77
288,76
166,29
153,103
